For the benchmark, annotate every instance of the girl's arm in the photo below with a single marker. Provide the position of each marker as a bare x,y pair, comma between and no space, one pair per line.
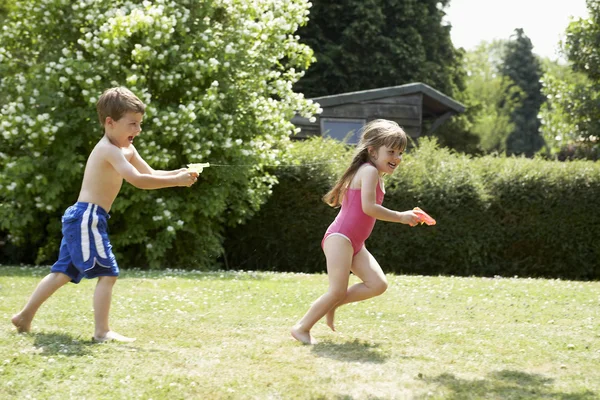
369,178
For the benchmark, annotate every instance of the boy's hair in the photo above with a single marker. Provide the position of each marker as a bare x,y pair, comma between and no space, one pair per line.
117,101
377,133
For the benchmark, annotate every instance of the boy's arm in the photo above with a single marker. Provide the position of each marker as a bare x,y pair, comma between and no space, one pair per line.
369,178
146,180
142,166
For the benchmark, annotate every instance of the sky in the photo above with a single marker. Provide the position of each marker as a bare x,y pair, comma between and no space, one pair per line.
543,21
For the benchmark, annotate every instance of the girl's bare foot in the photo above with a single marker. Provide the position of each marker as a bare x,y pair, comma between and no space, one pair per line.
113,336
302,336
22,324
330,317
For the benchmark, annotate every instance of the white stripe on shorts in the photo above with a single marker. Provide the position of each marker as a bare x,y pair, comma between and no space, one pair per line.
85,234
96,233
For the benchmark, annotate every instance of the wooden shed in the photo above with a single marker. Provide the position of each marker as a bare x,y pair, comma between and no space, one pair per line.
412,106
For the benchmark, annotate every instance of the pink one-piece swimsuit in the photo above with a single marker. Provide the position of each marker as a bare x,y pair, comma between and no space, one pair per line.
352,222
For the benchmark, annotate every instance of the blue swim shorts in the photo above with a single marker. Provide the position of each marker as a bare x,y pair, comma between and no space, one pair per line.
85,251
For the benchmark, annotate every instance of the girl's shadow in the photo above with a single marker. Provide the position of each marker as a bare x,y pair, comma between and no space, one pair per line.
354,351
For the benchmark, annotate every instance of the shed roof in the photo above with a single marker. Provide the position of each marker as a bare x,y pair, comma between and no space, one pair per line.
436,102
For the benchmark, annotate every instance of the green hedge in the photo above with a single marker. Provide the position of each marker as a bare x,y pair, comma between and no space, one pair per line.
496,216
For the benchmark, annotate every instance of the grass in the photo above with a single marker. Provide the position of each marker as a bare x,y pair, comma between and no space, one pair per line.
225,335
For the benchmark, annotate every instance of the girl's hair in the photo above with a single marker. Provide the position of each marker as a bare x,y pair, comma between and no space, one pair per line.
377,133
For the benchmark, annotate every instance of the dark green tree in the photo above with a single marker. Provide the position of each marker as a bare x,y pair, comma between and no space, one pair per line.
523,68
366,44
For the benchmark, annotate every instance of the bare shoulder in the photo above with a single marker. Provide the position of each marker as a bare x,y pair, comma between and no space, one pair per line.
105,150
104,147
366,173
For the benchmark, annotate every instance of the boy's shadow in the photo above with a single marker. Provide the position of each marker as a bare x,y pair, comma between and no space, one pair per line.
52,343
354,351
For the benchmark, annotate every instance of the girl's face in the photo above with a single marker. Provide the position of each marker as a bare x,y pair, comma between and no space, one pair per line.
386,159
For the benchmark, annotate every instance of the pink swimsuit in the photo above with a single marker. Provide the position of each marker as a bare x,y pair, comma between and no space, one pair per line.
352,222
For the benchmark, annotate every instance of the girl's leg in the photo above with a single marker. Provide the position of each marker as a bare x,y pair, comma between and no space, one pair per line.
373,282
47,286
338,252
102,300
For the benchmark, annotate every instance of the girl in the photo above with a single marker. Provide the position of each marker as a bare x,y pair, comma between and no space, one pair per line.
360,193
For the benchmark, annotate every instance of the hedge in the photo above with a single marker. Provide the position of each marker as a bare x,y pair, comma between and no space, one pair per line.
496,215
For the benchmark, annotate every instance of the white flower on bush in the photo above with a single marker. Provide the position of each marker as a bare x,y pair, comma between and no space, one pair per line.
214,120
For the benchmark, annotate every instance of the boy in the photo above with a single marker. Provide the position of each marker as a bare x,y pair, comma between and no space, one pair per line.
85,250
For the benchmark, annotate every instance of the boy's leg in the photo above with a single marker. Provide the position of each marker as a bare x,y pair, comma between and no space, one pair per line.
374,283
102,300
50,284
338,252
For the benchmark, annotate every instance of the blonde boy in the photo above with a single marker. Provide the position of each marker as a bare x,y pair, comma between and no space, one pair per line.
85,250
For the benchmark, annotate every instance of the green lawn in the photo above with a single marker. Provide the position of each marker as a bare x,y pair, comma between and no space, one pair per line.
226,336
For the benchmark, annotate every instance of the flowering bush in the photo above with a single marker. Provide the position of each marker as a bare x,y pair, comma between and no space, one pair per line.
216,76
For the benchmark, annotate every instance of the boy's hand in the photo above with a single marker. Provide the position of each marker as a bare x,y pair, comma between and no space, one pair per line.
186,178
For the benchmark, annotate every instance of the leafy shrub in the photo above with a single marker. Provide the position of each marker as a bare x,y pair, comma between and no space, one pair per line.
217,77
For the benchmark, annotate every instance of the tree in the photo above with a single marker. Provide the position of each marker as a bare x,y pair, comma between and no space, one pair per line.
493,96
363,45
572,115
571,97
523,68
217,79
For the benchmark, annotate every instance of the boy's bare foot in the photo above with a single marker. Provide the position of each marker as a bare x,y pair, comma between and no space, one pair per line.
112,336
22,324
302,336
330,317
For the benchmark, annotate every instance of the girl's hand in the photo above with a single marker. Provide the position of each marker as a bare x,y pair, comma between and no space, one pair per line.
409,218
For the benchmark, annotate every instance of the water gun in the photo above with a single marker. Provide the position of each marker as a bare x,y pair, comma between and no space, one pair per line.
424,218
197,167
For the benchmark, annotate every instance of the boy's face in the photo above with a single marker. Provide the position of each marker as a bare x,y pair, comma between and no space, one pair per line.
122,132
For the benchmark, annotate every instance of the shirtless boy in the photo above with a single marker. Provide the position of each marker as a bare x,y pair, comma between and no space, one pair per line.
85,249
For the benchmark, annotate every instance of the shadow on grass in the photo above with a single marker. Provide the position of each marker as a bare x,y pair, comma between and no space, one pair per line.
51,343
355,351
505,384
